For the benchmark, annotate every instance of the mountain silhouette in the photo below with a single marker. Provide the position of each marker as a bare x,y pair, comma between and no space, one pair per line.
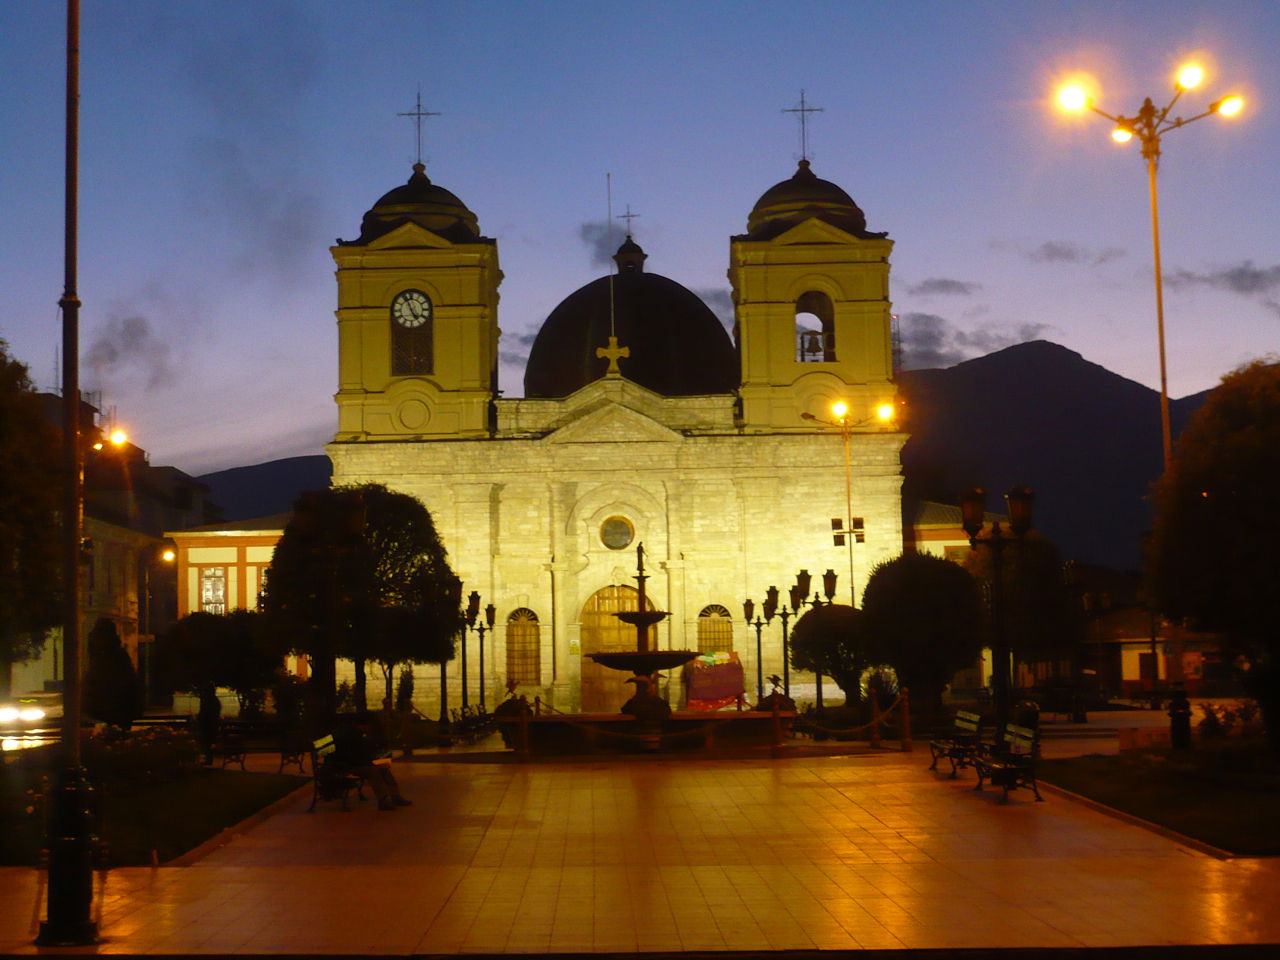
1085,440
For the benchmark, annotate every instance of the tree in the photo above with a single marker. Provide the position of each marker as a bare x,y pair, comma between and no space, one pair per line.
831,640
1213,554
253,655
1044,621
191,656
360,573
923,617
112,690
30,568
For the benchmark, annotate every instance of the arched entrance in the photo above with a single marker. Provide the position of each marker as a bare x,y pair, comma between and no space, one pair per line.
603,690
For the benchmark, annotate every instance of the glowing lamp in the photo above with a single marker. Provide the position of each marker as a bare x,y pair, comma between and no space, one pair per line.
118,438
1121,135
884,412
839,409
1073,98
168,556
1230,106
1190,76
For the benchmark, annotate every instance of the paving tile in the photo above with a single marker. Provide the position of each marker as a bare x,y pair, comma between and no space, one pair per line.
872,852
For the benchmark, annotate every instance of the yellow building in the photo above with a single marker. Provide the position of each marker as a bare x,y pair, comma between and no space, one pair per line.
643,420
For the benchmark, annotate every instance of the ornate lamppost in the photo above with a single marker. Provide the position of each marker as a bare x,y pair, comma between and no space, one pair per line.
1149,124
749,611
800,598
770,611
473,609
490,614
455,600
972,506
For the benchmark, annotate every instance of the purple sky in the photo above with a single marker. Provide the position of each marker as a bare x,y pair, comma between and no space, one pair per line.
225,146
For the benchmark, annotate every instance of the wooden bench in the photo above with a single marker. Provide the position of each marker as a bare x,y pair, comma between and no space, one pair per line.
962,746
1010,762
331,779
237,738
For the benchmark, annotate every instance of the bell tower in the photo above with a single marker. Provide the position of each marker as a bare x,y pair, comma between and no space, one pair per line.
811,303
417,320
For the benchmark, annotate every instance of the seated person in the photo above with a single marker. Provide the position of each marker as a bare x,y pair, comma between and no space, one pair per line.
355,748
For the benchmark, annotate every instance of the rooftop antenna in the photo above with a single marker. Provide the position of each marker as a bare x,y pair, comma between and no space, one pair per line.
419,115
804,112
613,266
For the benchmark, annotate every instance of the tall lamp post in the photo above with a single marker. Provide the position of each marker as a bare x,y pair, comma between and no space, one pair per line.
972,506
845,532
473,609
800,598
69,919
1148,125
490,614
749,611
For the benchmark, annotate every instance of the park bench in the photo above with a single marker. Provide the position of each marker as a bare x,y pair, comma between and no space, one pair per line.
237,738
1010,762
963,744
331,779
471,723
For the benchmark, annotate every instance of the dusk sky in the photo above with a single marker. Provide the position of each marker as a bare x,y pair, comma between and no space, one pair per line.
225,145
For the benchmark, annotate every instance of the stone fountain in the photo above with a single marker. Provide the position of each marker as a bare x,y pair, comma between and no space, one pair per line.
643,662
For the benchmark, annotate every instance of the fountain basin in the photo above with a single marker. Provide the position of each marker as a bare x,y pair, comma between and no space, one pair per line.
643,662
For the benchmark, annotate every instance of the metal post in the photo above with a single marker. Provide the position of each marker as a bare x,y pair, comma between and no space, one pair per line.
1166,435
463,675
786,653
70,833
759,625
480,630
848,507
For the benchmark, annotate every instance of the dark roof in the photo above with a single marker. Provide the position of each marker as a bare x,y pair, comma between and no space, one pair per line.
677,346
422,202
801,198
257,525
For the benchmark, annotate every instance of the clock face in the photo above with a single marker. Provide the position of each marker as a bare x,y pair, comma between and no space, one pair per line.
411,308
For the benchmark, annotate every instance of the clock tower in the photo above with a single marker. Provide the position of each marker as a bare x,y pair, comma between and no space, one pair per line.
417,320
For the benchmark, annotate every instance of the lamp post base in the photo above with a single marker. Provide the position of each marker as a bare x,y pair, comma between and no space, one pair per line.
71,847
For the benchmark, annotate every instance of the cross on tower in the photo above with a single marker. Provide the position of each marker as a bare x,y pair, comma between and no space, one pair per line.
628,216
804,112
613,352
419,115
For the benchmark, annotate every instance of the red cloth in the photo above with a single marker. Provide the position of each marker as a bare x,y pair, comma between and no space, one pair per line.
715,680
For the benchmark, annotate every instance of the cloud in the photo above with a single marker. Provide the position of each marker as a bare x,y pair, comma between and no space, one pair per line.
929,340
602,241
520,343
1245,279
125,350
941,285
1064,251
720,300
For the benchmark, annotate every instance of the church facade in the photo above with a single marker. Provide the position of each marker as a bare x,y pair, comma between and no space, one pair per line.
643,421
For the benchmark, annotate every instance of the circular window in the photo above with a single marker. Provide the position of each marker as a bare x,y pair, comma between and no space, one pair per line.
617,533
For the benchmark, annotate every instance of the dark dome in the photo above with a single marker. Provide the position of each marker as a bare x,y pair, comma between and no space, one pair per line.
801,198
678,347
424,203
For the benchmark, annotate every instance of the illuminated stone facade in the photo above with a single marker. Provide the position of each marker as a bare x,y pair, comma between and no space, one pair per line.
541,501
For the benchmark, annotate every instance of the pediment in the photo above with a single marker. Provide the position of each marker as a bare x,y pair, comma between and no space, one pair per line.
814,230
409,234
613,423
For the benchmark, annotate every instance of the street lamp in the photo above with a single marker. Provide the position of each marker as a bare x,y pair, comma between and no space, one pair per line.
473,609
1149,124
748,611
847,532
972,507
799,598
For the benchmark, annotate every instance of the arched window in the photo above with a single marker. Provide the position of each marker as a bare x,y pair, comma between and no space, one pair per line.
815,328
524,647
715,630
412,332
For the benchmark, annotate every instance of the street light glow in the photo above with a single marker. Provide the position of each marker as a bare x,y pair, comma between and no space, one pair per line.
118,438
839,409
1230,106
1121,135
1190,76
884,412
1073,97
168,556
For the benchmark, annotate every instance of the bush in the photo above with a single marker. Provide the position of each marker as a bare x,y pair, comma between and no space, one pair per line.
148,755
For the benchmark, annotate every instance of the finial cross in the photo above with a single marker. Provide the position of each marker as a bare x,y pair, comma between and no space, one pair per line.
419,115
628,216
613,352
804,112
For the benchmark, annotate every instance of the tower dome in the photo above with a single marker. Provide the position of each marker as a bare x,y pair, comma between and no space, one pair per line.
424,203
803,197
676,346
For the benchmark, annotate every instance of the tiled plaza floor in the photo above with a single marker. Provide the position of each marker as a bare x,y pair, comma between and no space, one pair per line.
670,855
